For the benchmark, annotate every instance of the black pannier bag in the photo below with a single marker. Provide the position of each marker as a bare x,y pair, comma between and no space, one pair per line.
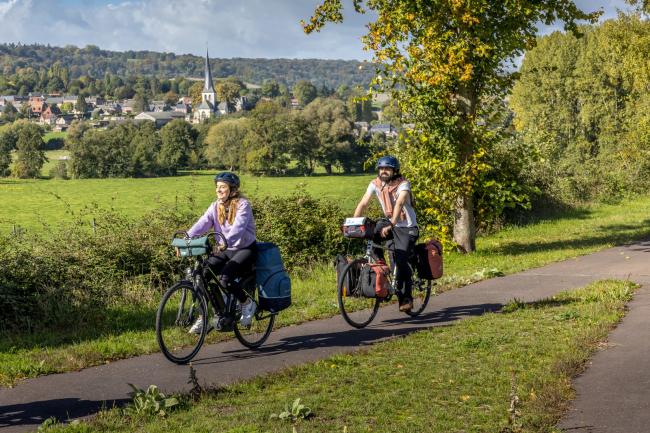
368,281
340,263
360,227
419,260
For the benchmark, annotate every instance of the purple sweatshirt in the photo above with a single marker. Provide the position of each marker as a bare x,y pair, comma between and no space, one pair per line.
239,235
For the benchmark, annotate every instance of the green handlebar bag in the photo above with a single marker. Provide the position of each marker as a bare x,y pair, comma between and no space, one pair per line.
191,247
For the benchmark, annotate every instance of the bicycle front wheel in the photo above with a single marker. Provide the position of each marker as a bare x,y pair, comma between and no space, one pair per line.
357,310
256,334
180,308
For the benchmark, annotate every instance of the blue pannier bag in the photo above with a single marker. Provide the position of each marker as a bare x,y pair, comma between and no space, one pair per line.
273,282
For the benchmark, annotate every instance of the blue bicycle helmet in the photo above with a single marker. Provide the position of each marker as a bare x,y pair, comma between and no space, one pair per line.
388,161
227,177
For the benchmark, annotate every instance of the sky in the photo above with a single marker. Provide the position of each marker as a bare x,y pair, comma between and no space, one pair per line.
244,28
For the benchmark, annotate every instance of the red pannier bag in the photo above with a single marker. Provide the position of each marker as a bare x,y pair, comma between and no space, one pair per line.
429,259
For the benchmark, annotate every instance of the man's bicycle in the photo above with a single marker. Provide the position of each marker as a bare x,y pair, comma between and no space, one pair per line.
357,306
189,299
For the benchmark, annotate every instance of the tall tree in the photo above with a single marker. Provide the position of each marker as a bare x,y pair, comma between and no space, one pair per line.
442,61
177,143
30,156
224,143
270,88
305,92
81,106
331,125
140,103
8,139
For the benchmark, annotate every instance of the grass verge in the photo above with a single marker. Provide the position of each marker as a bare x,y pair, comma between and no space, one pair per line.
501,372
130,332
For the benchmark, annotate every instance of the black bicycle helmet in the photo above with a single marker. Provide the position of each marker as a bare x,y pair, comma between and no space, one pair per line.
388,161
227,177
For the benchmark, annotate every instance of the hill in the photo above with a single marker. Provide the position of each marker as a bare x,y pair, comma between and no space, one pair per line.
95,62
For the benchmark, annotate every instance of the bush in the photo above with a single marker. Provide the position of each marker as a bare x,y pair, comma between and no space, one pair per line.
59,171
72,275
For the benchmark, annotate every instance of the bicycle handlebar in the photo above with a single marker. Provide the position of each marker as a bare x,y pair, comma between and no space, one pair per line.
214,235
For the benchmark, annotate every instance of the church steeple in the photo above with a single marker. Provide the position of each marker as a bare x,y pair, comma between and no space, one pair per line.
207,85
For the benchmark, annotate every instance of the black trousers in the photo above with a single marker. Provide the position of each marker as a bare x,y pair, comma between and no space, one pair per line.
401,244
230,264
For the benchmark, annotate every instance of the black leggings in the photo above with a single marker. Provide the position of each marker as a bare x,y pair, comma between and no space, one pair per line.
229,265
401,243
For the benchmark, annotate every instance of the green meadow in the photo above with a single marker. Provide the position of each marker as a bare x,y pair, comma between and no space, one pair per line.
30,203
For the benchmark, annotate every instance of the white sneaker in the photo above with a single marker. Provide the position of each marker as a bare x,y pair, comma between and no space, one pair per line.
248,310
198,326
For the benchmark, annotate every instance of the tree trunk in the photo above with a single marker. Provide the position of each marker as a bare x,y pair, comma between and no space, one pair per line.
328,168
464,227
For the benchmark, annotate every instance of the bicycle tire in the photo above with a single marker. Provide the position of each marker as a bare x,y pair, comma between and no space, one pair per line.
179,308
357,310
262,324
421,293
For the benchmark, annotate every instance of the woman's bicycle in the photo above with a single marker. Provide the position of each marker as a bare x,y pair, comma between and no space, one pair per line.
189,299
357,306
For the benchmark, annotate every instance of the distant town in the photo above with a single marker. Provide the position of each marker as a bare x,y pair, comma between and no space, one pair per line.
57,111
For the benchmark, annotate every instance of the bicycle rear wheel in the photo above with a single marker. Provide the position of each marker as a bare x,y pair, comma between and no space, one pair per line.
357,310
421,293
179,309
261,326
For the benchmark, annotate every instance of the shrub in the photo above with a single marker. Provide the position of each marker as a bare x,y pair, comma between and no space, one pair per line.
71,275
59,171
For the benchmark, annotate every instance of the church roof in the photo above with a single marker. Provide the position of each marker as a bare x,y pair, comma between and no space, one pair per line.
207,85
205,105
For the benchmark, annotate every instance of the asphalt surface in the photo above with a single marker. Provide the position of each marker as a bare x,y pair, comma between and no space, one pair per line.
612,396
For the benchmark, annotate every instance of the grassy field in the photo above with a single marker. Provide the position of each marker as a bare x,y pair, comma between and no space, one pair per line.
29,202
513,249
503,372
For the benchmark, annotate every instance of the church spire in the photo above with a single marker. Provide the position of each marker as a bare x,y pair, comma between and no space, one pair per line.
207,86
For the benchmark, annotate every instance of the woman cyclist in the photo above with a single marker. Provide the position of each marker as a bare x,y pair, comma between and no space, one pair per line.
231,215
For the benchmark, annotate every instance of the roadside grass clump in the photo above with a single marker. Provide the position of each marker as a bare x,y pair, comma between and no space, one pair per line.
499,372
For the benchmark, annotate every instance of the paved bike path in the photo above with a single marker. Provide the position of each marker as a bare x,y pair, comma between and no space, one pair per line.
78,394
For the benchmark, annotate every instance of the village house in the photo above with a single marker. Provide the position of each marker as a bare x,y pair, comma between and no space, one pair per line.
127,106
36,105
62,122
158,106
160,118
183,108
49,115
384,128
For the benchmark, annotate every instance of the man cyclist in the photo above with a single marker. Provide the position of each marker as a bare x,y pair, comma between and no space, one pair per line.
400,230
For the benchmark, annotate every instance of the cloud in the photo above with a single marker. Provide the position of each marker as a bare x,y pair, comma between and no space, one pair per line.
5,7
248,28
244,28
